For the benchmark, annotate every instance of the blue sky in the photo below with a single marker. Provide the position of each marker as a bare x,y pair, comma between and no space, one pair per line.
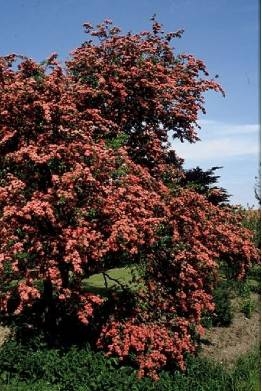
225,34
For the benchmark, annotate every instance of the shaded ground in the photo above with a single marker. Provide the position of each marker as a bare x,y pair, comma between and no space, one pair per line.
227,344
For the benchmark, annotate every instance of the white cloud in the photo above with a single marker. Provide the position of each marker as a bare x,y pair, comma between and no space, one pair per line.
220,141
219,148
210,126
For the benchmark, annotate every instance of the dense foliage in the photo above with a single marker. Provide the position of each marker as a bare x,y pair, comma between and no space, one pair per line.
87,179
25,369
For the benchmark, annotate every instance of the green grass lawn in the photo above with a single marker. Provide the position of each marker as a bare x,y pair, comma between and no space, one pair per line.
116,278
123,274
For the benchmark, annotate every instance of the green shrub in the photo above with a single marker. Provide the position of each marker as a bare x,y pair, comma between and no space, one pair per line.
252,221
254,279
41,385
248,307
23,368
223,314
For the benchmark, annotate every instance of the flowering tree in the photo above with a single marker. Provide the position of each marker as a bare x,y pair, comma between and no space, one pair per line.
87,178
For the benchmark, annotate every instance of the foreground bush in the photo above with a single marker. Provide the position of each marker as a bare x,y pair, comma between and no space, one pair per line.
23,368
87,179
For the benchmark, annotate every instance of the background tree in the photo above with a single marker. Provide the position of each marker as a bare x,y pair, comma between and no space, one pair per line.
258,187
202,182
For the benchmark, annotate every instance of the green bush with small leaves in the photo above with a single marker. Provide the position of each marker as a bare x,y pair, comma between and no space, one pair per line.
223,314
24,368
